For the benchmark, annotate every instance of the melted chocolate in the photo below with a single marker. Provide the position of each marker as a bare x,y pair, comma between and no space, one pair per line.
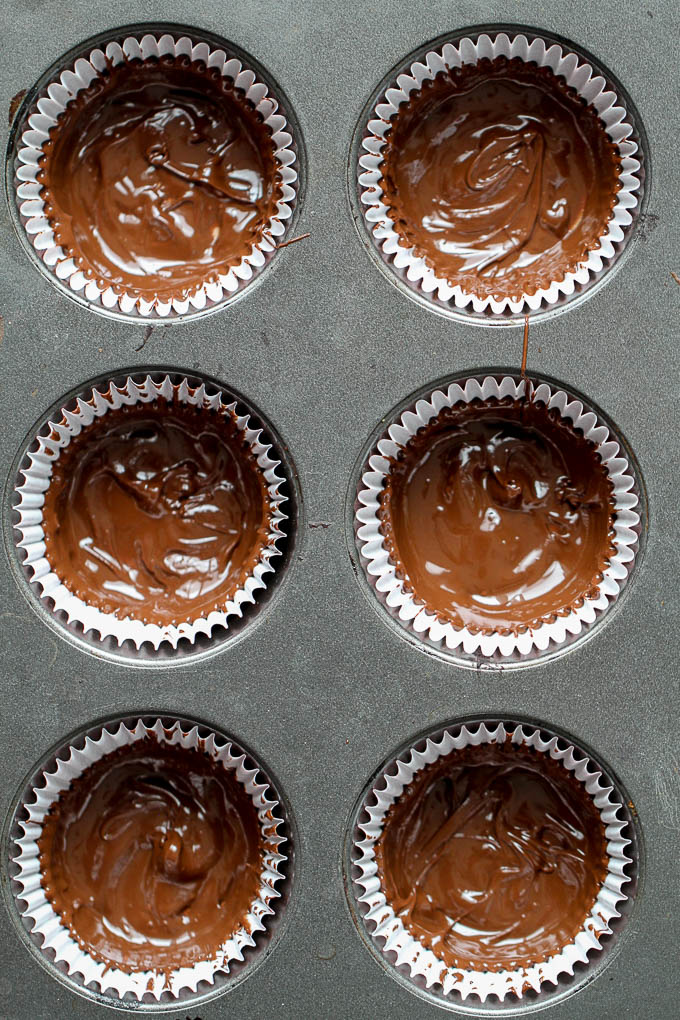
493,857
498,515
156,512
500,176
152,857
158,178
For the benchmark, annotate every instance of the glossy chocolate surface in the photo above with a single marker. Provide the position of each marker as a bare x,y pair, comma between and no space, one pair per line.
498,515
152,857
159,177
500,176
158,512
493,857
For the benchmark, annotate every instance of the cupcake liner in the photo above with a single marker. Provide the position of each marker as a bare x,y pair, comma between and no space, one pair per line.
54,100
579,75
46,925
421,963
30,499
405,606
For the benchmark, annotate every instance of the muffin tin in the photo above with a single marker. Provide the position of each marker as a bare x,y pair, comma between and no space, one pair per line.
322,689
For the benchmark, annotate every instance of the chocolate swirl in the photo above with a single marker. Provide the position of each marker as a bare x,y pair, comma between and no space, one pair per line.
156,512
158,178
152,857
493,857
498,515
500,176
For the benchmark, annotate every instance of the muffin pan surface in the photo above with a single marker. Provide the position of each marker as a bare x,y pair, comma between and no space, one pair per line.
324,347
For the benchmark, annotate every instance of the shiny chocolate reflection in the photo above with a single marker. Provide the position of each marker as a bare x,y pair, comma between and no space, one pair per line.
158,512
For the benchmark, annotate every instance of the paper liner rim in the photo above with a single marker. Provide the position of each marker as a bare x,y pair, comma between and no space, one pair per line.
100,399
44,115
411,611
381,921
578,74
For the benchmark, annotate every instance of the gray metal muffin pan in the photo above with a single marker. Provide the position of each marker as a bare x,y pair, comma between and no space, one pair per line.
321,689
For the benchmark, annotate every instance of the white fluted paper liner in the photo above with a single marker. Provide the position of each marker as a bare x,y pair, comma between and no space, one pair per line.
579,75
46,923
37,476
382,921
404,604
44,116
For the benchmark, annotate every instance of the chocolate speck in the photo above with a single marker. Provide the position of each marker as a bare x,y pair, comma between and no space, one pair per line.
14,104
147,336
293,240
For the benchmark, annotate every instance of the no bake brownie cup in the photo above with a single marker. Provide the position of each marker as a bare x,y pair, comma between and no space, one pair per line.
150,857
157,175
490,859
499,173
497,517
152,512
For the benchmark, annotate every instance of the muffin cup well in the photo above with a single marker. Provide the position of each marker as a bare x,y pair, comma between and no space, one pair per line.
37,472
578,74
46,925
53,100
404,604
409,954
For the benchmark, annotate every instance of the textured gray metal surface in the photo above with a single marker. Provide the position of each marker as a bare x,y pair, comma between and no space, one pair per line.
326,346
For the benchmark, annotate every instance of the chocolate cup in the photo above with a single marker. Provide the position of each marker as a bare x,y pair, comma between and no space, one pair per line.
417,968
592,81
403,607
126,639
48,939
73,72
